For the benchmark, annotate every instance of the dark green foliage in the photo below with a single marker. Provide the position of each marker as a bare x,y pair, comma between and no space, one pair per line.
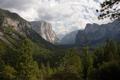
71,62
8,73
98,57
8,30
87,63
28,61
1,19
2,49
26,66
64,76
110,51
29,57
107,71
107,62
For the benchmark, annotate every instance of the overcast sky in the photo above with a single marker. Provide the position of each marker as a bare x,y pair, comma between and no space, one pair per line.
64,15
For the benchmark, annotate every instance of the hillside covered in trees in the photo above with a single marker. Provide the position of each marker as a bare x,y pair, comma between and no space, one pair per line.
25,55
24,63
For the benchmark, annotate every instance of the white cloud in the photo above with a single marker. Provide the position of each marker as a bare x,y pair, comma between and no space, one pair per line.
65,15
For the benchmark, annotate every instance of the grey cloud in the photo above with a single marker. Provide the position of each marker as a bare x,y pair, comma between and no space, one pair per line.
46,14
65,13
46,17
15,4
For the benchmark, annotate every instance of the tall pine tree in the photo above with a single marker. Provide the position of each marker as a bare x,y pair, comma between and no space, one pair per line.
87,61
26,66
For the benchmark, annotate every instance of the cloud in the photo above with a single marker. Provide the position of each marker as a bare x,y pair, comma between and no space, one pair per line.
26,8
65,15
16,4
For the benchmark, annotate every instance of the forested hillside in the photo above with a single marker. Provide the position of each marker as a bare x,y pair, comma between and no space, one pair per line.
24,63
26,55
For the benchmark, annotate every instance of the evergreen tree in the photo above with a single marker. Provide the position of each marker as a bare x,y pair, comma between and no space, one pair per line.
71,62
108,71
98,57
43,72
8,73
49,69
87,61
110,51
2,51
26,66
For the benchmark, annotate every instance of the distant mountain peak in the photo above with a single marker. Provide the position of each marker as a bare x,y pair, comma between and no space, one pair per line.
94,34
44,29
13,29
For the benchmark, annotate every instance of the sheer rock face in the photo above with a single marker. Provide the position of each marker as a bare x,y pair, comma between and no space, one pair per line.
12,24
44,29
17,25
96,34
93,35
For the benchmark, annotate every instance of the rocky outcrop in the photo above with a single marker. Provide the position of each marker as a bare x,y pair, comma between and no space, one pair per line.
13,29
11,24
44,29
95,34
